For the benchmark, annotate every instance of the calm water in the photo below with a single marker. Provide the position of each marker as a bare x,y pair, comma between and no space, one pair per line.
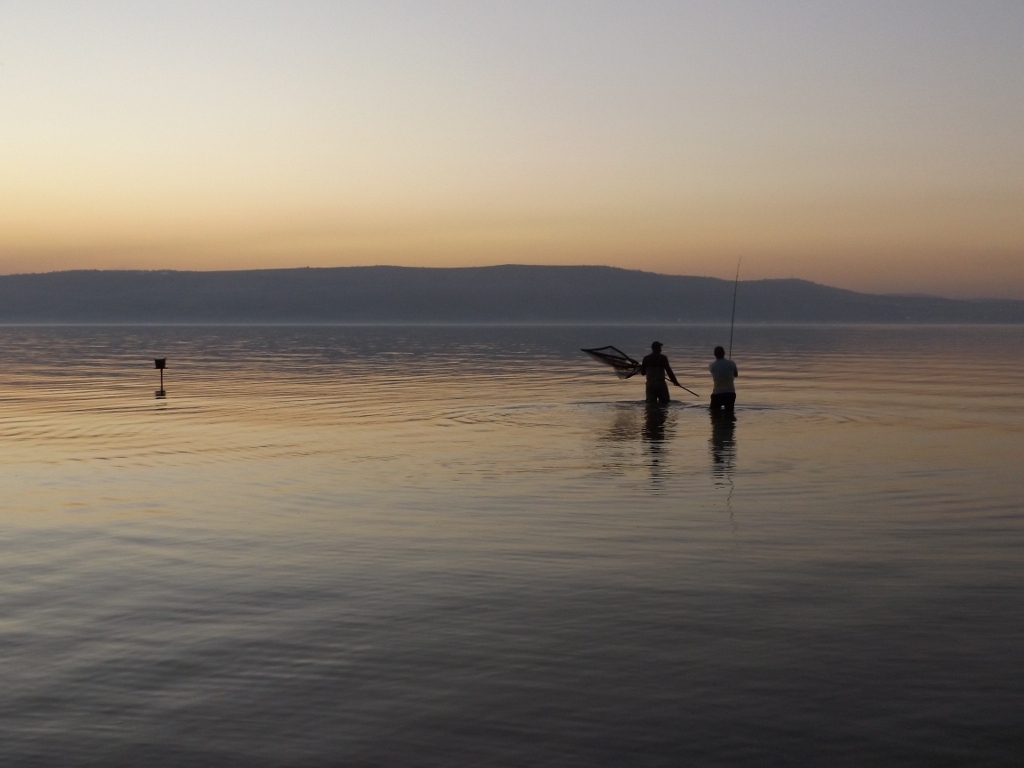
474,546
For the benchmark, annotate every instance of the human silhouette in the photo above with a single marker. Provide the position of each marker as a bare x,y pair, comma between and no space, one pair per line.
655,368
724,373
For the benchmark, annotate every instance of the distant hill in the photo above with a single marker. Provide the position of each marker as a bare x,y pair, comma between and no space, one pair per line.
510,293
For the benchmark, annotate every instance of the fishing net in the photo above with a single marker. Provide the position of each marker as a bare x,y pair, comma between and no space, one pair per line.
624,365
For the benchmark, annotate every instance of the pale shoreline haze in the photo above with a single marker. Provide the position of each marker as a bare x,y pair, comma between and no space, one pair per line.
870,146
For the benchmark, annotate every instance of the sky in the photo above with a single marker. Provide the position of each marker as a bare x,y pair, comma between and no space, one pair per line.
877,146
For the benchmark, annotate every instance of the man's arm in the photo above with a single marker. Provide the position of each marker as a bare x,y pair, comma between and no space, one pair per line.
671,376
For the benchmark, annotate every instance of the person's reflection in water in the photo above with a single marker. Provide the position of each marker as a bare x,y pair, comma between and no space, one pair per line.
654,434
723,446
655,416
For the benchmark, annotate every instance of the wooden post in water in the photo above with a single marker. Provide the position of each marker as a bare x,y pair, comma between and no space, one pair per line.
161,363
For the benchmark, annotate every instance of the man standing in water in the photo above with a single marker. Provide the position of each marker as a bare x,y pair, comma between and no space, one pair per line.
724,372
655,367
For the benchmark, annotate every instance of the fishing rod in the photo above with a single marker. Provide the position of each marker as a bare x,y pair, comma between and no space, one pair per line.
732,323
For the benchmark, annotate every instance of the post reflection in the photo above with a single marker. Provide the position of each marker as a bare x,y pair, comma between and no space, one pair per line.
723,446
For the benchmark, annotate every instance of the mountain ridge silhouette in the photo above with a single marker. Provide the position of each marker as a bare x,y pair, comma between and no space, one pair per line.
501,294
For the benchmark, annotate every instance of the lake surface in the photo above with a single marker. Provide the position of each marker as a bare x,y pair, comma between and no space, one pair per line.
435,546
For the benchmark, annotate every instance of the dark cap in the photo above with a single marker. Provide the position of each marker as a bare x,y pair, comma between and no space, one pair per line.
655,345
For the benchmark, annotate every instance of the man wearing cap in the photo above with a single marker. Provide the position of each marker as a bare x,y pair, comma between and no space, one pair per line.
655,367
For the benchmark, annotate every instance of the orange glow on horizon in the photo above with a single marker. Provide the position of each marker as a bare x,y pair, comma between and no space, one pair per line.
334,138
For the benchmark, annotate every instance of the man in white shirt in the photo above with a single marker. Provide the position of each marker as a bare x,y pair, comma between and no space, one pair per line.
724,372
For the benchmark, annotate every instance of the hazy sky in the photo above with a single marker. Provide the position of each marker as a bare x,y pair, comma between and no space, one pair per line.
872,145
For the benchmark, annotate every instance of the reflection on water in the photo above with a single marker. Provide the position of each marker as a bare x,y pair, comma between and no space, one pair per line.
625,426
457,545
650,426
655,417
723,454
723,445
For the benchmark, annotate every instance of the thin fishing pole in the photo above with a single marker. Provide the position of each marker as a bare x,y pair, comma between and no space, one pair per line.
732,323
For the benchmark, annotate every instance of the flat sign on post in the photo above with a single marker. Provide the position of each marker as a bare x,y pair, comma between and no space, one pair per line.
161,363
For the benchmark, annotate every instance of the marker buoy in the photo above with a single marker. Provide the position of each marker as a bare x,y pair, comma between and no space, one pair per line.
161,363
